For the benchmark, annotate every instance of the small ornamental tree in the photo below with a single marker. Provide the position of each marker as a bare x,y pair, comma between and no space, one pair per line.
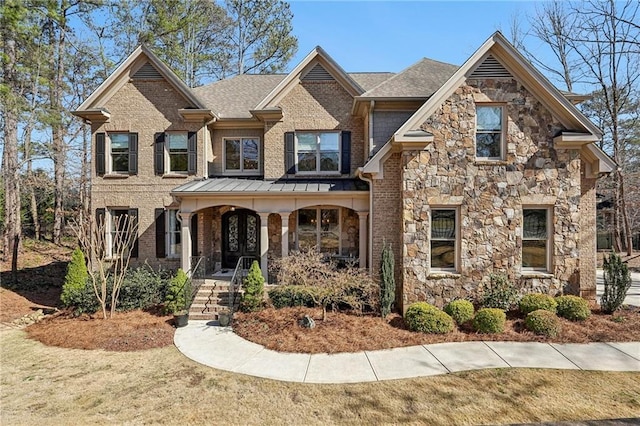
253,298
177,294
387,280
617,281
75,281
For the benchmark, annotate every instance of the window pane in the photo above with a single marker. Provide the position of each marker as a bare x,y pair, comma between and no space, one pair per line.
489,118
119,141
177,141
329,142
330,231
329,162
535,224
307,162
443,254
120,162
178,162
250,153
534,254
443,224
488,145
306,142
232,154
307,228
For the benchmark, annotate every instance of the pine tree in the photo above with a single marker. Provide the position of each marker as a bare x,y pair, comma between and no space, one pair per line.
387,280
253,289
617,281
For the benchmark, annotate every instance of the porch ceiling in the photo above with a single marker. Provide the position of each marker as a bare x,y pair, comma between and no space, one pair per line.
250,186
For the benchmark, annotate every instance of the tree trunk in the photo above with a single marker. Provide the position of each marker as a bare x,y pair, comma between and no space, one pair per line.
33,203
625,217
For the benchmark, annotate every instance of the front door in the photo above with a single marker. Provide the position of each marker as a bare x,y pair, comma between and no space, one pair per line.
240,236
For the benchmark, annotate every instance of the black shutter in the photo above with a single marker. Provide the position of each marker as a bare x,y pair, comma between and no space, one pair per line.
100,213
194,234
346,153
100,154
133,153
161,250
158,154
290,153
193,154
133,216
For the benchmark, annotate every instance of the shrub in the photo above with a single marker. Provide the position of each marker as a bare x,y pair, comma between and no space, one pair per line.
489,320
142,288
287,296
573,308
387,280
500,294
176,298
535,301
75,282
460,310
617,281
543,322
253,298
426,318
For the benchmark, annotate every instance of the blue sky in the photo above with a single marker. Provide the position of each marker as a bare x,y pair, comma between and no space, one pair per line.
391,35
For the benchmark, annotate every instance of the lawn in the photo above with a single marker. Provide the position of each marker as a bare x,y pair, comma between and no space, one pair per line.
43,384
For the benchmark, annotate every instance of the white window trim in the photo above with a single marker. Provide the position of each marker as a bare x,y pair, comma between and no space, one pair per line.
549,246
456,245
109,160
168,235
108,240
318,152
241,172
503,133
167,154
318,230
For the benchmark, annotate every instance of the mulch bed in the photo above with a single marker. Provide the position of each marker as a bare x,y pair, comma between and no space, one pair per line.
279,329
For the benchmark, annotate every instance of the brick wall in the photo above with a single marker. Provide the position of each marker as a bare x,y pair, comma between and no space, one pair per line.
216,166
588,237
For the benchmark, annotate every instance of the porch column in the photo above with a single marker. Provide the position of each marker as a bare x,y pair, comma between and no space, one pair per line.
284,216
264,242
362,250
185,238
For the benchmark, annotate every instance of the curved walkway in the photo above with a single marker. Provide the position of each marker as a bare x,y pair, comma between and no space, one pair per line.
221,348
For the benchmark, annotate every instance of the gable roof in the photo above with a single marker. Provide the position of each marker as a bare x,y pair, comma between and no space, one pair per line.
127,69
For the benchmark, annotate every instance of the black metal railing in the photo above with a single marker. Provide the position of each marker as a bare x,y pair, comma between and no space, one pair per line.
196,279
239,274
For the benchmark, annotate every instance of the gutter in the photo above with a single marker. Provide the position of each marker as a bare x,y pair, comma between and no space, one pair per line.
360,175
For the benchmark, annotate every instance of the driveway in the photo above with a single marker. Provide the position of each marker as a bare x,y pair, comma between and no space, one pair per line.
633,295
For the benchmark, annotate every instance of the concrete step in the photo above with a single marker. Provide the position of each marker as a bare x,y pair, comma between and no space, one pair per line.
208,308
201,316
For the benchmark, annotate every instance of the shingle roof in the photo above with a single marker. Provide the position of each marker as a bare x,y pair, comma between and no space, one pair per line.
421,79
236,185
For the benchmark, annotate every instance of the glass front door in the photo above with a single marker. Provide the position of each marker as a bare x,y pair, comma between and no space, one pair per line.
240,236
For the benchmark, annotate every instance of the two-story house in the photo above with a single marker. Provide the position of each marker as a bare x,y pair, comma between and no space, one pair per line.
465,170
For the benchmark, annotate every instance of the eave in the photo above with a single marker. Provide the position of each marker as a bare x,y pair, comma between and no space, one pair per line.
93,114
267,114
573,140
197,115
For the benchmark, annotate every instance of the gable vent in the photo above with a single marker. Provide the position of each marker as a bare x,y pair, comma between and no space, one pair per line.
147,72
318,73
490,68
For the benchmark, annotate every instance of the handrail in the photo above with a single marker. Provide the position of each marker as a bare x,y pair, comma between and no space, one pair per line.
194,289
236,280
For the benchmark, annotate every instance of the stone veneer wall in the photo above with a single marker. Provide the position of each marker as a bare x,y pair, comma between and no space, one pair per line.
489,196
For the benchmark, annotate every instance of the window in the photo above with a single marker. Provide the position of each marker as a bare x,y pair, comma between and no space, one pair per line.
177,147
119,152
173,234
120,222
242,155
321,228
535,239
489,132
443,239
318,152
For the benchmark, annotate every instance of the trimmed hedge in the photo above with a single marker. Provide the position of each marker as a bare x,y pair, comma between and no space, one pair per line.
535,301
489,320
426,318
288,296
460,310
573,308
543,322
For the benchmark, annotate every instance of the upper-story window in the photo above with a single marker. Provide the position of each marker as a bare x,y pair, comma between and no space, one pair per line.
489,132
116,153
177,150
242,155
318,152
119,152
175,153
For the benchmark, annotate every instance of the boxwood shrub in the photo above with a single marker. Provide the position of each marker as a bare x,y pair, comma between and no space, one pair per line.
287,296
460,310
543,322
426,318
534,301
489,320
573,308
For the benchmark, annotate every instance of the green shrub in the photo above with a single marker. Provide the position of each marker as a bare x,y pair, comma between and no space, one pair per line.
75,282
543,322
534,301
253,298
176,299
287,296
460,310
489,320
617,281
143,287
501,293
573,308
426,318
387,280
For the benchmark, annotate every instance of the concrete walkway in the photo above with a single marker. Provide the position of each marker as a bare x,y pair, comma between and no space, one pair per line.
221,348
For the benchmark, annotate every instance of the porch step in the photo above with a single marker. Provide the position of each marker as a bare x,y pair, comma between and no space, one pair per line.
212,298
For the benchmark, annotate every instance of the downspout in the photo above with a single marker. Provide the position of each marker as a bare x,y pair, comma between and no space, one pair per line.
361,176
